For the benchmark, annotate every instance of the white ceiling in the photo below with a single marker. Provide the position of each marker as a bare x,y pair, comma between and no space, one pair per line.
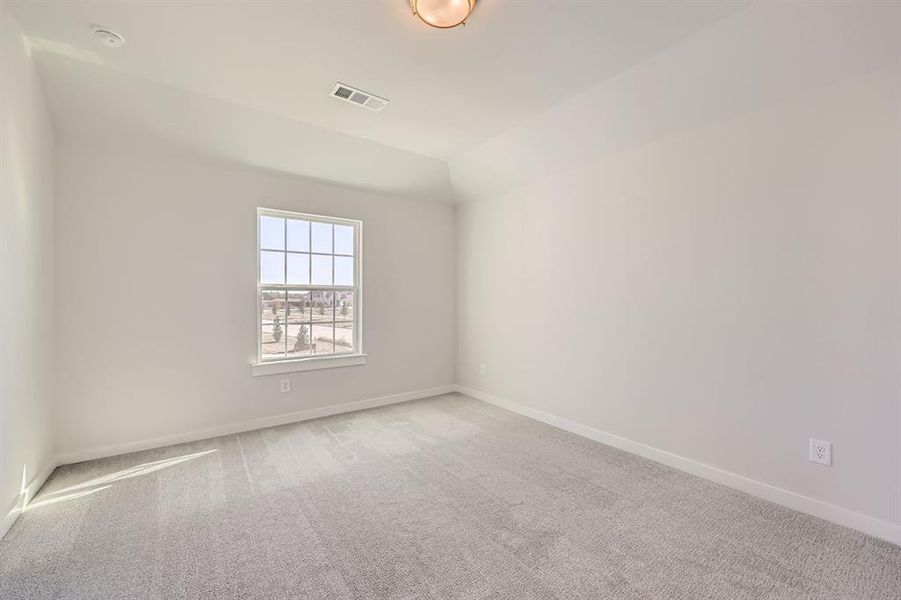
101,108
770,55
449,89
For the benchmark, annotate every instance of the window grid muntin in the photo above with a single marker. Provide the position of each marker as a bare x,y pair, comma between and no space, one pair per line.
355,289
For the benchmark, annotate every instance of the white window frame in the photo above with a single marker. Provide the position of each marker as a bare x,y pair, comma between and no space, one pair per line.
274,366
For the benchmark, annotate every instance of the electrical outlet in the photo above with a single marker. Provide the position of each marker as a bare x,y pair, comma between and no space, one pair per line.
284,385
483,370
821,452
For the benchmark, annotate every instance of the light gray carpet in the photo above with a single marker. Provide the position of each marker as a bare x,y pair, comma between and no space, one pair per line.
440,498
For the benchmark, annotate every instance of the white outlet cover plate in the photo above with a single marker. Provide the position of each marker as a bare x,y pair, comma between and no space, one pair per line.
284,385
821,452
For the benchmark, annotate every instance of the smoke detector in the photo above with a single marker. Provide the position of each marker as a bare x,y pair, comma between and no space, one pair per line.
107,37
358,97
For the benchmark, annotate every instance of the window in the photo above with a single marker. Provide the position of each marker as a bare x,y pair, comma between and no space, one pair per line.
308,288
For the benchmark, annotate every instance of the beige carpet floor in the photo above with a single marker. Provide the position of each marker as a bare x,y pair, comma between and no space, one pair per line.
439,498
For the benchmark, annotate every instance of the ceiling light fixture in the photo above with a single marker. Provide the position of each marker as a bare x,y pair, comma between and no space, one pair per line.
443,14
107,37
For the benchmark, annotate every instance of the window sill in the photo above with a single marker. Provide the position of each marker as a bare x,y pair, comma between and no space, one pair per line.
307,364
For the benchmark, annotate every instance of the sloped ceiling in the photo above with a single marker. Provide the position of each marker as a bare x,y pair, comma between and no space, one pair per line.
770,53
249,81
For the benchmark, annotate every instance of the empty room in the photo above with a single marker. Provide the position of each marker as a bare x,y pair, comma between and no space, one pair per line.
450,299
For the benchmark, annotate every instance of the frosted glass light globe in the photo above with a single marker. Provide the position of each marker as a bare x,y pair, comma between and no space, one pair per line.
443,13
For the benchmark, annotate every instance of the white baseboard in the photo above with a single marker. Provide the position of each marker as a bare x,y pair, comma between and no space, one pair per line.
841,516
27,494
65,458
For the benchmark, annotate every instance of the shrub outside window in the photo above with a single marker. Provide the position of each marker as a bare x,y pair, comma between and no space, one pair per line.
308,286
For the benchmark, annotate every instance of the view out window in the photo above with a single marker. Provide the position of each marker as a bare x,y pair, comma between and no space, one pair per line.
308,286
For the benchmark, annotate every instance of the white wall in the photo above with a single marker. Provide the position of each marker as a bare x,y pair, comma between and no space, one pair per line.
702,254
26,272
156,311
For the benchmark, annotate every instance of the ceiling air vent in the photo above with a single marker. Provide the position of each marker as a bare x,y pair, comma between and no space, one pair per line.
358,97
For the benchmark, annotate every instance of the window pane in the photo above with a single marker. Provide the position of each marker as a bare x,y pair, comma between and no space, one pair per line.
322,270
300,342
298,235
344,306
298,307
272,267
273,341
322,306
344,239
344,270
299,268
344,337
323,340
304,252
273,306
272,233
322,237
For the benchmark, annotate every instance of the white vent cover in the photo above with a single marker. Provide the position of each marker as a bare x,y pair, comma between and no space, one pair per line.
358,97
